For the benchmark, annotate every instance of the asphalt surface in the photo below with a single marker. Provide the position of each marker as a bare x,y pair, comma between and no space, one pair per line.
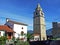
49,42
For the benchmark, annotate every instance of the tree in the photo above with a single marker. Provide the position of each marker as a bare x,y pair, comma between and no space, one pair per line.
3,39
29,36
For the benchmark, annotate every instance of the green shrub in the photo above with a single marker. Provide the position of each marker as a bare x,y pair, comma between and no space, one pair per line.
13,38
54,39
22,43
3,40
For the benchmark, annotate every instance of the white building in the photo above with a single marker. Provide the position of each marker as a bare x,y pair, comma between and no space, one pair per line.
2,33
19,28
6,31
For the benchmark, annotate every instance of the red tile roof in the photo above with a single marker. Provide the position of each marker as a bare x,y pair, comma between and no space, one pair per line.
5,28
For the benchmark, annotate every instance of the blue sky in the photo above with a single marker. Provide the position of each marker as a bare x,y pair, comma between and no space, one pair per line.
22,11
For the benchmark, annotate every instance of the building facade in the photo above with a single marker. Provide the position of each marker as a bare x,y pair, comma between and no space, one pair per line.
39,26
6,31
19,28
56,29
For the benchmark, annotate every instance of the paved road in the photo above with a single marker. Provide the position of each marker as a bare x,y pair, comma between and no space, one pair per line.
55,42
52,42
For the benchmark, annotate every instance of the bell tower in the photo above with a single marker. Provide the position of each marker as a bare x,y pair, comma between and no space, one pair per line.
39,26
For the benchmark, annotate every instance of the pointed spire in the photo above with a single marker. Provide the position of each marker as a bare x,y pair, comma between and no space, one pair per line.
38,7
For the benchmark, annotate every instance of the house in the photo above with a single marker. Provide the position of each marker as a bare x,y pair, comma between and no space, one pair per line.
54,32
6,31
18,27
56,29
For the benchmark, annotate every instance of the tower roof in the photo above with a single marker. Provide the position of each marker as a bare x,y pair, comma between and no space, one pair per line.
38,7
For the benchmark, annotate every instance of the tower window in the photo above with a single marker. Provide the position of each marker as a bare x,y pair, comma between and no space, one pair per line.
36,13
42,13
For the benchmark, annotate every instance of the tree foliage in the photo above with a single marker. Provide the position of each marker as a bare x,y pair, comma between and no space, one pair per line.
3,40
29,36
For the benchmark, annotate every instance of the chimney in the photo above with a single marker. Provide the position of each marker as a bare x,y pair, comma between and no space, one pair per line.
7,19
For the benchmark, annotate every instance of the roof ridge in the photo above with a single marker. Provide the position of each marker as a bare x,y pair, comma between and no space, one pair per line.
17,22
